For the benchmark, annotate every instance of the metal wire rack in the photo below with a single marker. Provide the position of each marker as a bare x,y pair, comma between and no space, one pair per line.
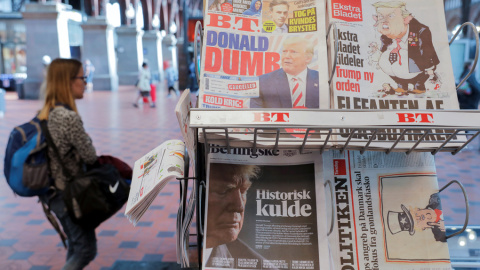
252,130
307,130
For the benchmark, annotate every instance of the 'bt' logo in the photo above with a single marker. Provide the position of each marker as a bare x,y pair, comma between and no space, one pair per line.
415,117
271,117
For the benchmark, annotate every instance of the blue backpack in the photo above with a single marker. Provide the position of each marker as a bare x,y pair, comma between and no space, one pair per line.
26,164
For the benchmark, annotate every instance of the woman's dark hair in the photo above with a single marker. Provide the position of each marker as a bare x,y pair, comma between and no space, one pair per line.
144,64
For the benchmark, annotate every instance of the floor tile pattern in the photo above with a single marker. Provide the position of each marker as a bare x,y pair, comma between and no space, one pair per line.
28,242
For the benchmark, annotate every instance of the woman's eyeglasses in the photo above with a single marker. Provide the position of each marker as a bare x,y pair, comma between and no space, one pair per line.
84,78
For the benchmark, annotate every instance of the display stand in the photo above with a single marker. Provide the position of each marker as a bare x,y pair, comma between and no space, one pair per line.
321,130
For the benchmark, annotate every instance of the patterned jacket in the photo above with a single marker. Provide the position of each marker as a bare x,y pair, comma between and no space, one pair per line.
74,145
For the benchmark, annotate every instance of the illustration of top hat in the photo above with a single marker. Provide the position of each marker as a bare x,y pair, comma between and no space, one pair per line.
400,221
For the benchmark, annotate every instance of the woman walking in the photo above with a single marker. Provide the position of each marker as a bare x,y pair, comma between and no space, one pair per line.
65,84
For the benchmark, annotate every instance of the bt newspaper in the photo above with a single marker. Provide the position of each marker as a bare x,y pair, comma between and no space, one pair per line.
255,58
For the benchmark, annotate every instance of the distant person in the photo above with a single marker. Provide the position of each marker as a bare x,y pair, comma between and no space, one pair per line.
43,87
171,75
469,92
143,86
89,70
294,85
65,84
255,8
192,77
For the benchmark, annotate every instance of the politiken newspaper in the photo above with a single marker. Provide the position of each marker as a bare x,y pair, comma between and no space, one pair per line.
249,61
388,211
265,210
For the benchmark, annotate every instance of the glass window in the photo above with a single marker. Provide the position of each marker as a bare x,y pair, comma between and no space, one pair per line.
8,55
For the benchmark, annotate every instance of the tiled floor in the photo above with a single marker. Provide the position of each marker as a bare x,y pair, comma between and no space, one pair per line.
27,240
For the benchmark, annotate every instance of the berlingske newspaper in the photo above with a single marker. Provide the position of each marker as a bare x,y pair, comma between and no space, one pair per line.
265,210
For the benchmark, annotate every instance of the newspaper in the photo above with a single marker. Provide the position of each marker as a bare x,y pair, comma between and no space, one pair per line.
185,212
388,211
150,175
256,52
265,212
184,221
391,55
182,111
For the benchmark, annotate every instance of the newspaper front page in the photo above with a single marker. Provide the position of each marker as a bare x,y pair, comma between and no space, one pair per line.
388,212
391,55
265,211
150,175
256,52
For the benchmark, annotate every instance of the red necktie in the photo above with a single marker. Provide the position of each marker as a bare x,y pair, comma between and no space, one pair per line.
439,215
396,52
296,93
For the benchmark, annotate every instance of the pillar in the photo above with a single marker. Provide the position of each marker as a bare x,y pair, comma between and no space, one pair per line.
169,50
152,52
46,27
129,53
183,60
99,47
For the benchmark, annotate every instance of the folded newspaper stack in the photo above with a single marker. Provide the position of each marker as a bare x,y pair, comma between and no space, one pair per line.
186,208
150,175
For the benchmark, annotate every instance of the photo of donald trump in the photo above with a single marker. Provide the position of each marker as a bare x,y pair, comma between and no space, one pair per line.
294,85
228,185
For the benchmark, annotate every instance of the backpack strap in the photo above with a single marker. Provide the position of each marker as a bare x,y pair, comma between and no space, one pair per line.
39,131
22,132
46,208
54,223
50,143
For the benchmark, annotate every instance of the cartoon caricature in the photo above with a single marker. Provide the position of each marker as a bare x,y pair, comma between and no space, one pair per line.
410,220
374,55
407,52
388,89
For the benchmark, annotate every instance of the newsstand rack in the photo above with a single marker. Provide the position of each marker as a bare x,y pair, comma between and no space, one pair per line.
322,130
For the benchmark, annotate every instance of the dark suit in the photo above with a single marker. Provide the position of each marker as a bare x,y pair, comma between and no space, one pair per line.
275,91
434,203
237,250
421,54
